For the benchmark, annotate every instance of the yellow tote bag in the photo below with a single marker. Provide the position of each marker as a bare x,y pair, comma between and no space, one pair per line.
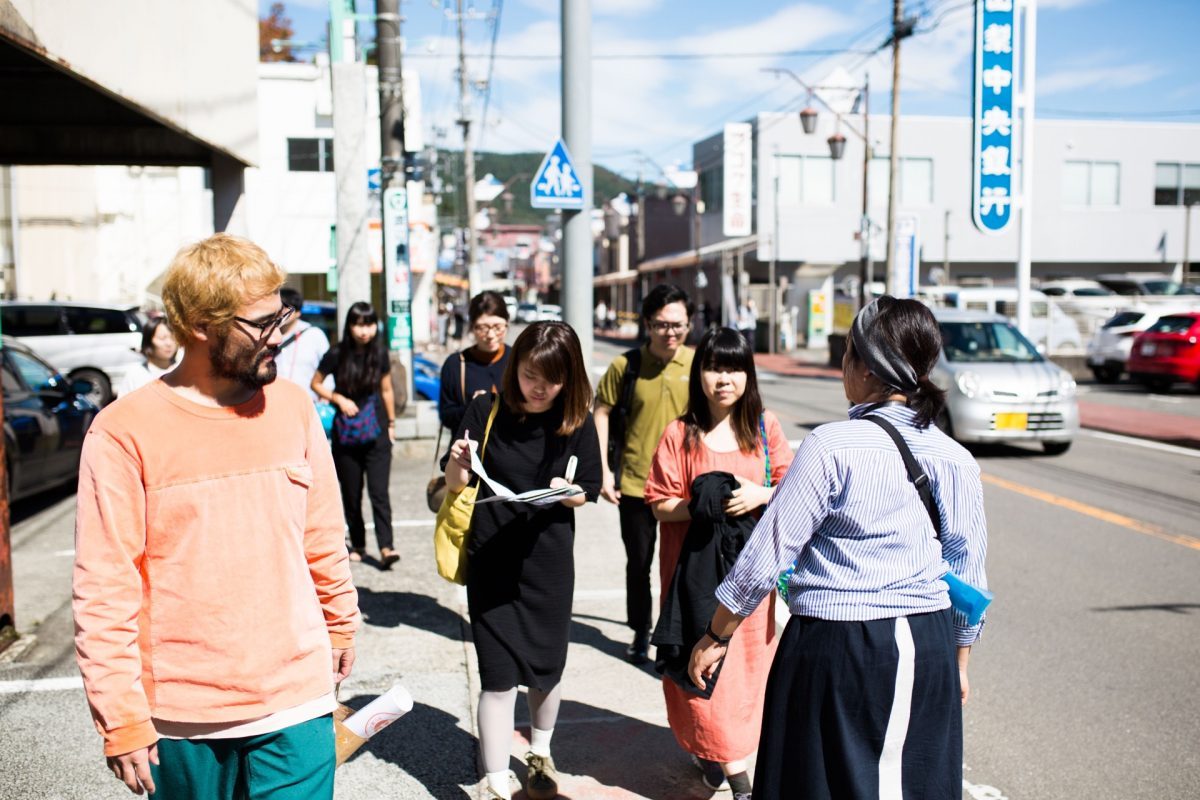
454,521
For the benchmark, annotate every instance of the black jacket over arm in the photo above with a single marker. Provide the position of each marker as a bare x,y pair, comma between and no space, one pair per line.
709,551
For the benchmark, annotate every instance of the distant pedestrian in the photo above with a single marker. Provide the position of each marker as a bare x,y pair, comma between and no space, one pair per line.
445,311
303,346
642,391
478,369
521,571
601,316
363,427
159,351
865,696
214,611
748,320
725,432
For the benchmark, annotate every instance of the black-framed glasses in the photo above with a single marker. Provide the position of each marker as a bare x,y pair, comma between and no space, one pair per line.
269,326
668,327
485,330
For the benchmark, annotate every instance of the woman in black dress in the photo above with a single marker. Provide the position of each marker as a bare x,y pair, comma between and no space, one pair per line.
521,569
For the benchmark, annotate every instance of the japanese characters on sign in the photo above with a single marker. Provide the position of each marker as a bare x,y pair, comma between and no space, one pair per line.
736,218
995,62
396,269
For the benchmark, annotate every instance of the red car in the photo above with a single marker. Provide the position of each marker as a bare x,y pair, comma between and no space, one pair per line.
1167,352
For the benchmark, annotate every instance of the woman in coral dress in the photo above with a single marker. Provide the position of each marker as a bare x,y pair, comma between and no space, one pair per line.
723,431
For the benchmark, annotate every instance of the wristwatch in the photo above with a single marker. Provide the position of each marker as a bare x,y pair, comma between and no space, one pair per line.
710,633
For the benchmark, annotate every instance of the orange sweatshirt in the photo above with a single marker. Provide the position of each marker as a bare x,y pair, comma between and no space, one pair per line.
211,574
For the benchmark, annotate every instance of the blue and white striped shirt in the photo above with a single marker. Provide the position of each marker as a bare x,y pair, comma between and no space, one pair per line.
849,517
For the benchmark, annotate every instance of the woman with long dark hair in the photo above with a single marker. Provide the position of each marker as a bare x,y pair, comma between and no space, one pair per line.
725,430
520,567
363,426
866,692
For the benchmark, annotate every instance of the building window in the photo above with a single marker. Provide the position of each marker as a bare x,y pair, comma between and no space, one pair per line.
1091,183
916,181
806,180
712,189
310,155
1176,184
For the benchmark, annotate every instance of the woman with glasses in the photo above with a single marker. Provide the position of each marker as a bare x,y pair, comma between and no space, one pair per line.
725,446
479,369
363,426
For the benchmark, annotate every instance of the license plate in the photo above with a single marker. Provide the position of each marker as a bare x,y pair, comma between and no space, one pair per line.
1148,348
1012,421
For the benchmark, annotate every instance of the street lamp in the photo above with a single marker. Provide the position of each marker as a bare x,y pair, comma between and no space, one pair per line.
837,148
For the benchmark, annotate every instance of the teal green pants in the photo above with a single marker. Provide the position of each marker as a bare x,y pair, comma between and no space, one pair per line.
295,763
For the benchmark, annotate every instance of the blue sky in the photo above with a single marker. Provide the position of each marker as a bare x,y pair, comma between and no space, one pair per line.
1109,58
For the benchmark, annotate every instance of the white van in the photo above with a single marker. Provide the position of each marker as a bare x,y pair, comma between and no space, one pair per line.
1049,326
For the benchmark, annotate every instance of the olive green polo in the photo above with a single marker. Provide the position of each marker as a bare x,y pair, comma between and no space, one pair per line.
659,396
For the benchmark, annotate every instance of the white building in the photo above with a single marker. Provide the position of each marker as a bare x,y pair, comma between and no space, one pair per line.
1108,196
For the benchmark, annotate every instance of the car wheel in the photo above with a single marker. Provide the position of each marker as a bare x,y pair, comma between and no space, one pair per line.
101,392
1106,374
1056,448
1160,385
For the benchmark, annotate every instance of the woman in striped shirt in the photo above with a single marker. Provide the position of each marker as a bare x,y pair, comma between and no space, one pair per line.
865,693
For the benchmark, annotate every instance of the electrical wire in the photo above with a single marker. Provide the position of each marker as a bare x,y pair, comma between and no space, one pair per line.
498,6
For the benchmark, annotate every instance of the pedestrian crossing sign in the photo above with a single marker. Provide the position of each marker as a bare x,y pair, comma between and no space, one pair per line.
556,184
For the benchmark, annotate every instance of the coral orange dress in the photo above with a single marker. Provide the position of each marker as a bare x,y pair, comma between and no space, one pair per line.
725,727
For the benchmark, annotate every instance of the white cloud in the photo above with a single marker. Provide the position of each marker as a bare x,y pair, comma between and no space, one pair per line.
1116,77
1062,4
613,8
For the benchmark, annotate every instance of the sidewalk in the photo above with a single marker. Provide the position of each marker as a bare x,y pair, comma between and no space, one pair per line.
611,740
1176,429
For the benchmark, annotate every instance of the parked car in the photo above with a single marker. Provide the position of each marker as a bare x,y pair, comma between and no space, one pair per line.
427,378
1050,327
510,304
527,312
547,311
92,343
1108,350
1167,352
321,314
1133,284
45,419
1075,287
999,388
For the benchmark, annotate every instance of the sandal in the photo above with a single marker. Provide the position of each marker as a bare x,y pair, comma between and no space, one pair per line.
356,553
388,556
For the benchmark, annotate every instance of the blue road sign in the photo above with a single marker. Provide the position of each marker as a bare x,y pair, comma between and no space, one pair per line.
995,59
556,184
374,179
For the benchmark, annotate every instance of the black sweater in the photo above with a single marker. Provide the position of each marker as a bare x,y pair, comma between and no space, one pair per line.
452,405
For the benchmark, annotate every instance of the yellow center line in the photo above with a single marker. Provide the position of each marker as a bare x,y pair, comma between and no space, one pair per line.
1097,513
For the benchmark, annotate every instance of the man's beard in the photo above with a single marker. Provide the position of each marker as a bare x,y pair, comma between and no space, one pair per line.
250,367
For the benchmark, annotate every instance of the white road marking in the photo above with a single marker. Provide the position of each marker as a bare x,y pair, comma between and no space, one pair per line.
41,685
64,553
405,523
1163,398
981,792
1146,443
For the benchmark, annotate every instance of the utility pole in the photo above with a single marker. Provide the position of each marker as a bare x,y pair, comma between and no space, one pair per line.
350,146
1028,52
577,133
397,276
864,269
771,279
1187,244
893,280
474,278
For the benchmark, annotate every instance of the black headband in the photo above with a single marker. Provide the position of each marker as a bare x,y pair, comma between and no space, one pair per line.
884,363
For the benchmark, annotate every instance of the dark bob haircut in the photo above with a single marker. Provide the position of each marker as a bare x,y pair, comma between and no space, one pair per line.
663,295
552,350
486,304
724,349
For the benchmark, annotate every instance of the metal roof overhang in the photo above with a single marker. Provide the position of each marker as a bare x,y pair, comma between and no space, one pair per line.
689,258
615,278
51,115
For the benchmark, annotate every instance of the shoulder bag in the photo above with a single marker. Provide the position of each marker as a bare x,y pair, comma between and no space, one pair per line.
971,601
435,490
453,528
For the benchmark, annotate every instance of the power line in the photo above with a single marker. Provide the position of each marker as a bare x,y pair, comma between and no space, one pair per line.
1177,112
663,56
498,5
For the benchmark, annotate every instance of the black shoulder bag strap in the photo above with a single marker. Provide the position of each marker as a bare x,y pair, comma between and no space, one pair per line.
915,473
618,433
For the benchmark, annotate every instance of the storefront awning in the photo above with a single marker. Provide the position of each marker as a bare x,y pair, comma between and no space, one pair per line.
615,278
447,279
689,258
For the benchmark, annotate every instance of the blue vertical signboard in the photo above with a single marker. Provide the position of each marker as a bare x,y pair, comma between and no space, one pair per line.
995,59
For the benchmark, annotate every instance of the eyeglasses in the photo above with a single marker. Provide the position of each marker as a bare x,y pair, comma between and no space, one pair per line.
668,327
269,326
487,330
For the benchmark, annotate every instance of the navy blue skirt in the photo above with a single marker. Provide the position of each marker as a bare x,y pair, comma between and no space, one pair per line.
863,711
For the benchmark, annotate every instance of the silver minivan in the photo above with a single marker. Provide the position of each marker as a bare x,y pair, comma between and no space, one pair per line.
93,343
999,388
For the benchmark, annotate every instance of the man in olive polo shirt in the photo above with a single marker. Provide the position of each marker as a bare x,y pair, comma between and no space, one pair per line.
660,395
